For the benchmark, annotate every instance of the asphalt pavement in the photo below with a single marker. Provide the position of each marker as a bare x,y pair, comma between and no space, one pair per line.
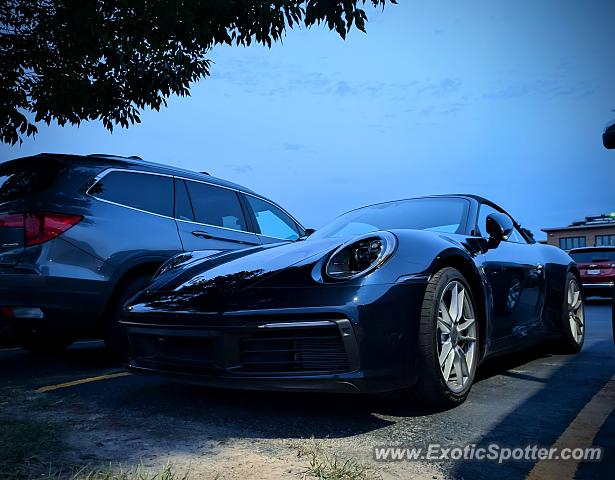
533,398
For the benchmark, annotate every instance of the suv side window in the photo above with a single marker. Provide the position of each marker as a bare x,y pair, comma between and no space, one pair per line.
216,206
149,192
183,207
273,222
485,210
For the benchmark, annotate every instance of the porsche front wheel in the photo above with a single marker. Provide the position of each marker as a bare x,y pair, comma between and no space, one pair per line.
448,340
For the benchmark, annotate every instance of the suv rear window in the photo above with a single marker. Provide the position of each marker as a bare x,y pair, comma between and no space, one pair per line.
593,256
27,176
149,192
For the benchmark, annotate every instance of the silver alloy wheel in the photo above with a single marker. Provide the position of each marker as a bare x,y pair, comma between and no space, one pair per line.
576,313
456,336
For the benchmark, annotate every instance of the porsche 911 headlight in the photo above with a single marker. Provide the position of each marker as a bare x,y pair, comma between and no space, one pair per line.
360,256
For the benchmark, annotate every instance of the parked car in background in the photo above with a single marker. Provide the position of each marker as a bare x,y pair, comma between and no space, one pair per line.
406,293
79,235
597,266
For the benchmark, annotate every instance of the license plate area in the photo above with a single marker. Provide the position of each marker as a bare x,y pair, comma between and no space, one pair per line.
594,271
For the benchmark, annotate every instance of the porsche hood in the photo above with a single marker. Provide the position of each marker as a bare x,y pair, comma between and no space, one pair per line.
216,278
223,281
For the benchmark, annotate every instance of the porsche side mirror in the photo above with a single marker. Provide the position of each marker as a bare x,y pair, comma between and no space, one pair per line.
306,233
499,227
608,137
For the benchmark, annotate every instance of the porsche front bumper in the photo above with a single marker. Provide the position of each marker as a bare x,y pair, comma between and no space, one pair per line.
348,346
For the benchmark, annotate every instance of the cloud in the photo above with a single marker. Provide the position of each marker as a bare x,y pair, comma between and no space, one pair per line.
273,80
343,88
445,86
297,147
242,169
551,88
294,147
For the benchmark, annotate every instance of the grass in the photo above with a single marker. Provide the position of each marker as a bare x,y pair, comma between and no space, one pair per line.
120,473
27,446
26,450
31,448
326,465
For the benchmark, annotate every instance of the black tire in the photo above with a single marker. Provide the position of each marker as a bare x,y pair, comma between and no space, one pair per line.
114,334
567,342
41,340
431,388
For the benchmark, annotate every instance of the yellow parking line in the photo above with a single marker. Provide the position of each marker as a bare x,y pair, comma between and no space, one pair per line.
81,381
579,434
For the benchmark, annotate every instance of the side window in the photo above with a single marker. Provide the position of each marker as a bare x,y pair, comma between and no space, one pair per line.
516,236
149,192
216,206
25,177
485,210
272,221
566,243
183,207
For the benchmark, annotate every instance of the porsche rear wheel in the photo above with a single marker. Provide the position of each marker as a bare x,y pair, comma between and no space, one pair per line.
448,340
573,317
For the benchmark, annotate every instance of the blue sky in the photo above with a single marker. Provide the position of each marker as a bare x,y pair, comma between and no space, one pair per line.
506,99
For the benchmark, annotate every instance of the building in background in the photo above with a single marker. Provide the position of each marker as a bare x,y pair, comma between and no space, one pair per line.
594,231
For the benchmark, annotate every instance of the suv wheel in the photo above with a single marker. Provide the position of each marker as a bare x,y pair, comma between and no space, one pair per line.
114,333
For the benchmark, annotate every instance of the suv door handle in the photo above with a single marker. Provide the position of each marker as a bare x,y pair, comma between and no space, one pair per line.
207,236
202,234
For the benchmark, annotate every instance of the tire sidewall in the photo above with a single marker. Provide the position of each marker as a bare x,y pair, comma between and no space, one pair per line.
444,277
570,343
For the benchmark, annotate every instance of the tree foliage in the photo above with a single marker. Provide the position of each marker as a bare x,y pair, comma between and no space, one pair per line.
77,60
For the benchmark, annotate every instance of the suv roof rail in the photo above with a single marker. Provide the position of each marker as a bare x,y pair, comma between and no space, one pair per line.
131,157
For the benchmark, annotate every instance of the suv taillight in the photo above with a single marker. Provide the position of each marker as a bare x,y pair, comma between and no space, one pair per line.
39,227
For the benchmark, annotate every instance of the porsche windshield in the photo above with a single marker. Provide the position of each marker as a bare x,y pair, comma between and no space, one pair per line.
445,214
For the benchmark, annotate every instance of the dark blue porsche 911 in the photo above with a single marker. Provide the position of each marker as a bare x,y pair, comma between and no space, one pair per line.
410,293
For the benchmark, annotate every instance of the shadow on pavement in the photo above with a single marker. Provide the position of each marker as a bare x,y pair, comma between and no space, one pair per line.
542,418
26,369
166,412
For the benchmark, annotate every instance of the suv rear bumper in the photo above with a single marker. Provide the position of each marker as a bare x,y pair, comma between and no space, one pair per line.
602,289
66,302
